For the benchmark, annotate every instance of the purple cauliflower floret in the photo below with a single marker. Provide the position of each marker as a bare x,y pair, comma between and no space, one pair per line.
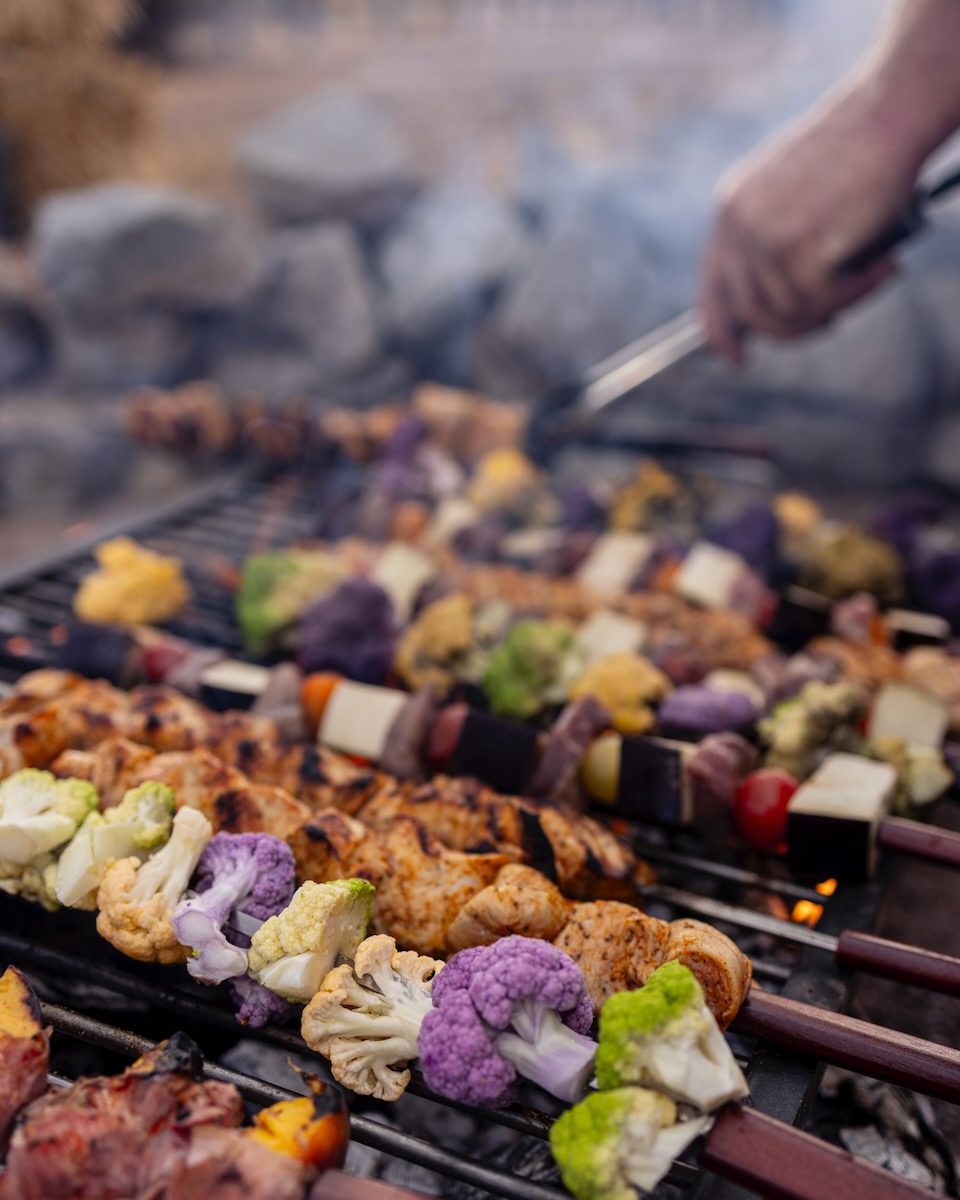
252,874
352,631
753,535
518,1007
256,1005
700,709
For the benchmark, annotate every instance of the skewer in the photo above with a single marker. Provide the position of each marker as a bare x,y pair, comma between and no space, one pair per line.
853,950
744,1145
784,1163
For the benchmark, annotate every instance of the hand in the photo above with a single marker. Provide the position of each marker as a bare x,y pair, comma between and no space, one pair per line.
790,214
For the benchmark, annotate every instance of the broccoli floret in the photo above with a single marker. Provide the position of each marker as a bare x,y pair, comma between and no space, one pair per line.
136,900
519,1006
38,813
292,952
252,873
534,666
276,588
366,1018
136,826
663,1034
615,1142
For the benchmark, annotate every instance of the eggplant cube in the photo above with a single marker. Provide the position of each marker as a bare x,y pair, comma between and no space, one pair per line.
908,629
708,575
402,572
832,819
910,713
614,562
498,752
358,718
232,684
606,632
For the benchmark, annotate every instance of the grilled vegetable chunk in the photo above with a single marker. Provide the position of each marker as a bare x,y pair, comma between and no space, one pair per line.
24,1048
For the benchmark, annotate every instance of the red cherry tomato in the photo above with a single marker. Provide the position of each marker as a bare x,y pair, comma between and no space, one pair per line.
444,735
760,807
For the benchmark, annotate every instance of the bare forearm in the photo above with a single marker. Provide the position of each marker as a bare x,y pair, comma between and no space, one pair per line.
910,79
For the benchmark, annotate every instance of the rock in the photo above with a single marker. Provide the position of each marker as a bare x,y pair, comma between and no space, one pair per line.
445,261
941,462
591,288
312,319
160,349
332,155
104,250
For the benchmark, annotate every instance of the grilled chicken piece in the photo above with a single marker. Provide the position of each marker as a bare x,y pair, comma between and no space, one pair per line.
113,1136
618,948
581,855
724,972
333,845
160,717
317,777
519,901
85,715
426,885
229,801
421,885
112,766
24,1048
37,687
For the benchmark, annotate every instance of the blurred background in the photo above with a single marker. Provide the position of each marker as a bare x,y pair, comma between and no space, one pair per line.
330,201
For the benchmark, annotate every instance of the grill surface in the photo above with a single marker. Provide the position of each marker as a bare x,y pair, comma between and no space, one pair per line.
224,520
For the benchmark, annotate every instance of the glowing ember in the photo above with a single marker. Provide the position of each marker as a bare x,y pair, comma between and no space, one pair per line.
805,912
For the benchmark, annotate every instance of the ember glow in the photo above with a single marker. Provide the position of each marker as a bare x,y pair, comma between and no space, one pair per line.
805,912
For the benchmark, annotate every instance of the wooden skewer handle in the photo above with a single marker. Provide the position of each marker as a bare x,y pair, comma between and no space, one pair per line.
893,960
784,1163
922,841
857,1045
337,1185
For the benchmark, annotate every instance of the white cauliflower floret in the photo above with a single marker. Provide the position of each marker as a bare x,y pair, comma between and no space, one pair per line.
292,952
39,812
136,901
366,1018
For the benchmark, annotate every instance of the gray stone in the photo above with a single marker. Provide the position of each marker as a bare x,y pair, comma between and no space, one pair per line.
332,155
592,287
446,259
941,462
136,348
312,319
104,250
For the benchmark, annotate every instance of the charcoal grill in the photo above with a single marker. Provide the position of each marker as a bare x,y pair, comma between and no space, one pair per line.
226,518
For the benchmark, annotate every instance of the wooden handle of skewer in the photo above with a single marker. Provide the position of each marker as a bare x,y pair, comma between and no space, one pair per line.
857,1045
894,960
922,841
784,1163
337,1185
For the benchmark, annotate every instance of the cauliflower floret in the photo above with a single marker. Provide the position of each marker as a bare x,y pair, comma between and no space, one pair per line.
370,1033
136,901
627,684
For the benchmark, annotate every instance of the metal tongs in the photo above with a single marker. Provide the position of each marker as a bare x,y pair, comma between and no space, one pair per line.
568,411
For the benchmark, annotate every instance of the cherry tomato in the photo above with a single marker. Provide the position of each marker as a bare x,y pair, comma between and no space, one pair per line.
444,735
760,807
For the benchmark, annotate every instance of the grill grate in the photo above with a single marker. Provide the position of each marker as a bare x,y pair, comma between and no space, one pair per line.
224,520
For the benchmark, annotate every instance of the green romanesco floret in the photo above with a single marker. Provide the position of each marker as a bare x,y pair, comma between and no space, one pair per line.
39,812
535,665
292,952
277,587
34,881
139,824
664,1035
615,1142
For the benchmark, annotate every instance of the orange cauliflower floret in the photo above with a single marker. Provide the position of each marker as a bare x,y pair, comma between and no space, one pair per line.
136,901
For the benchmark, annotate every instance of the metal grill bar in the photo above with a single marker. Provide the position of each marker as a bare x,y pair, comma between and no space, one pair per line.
704,866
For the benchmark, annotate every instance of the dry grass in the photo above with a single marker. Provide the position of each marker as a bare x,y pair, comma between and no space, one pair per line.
74,117
62,22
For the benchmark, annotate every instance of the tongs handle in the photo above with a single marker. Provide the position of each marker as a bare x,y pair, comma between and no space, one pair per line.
911,221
